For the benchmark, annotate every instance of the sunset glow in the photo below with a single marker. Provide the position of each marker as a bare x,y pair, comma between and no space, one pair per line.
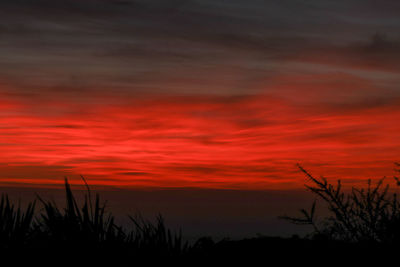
133,103
246,142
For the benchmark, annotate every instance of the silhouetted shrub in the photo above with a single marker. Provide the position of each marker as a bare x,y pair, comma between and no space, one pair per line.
370,214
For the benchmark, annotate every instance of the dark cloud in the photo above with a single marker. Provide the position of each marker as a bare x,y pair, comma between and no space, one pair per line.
71,47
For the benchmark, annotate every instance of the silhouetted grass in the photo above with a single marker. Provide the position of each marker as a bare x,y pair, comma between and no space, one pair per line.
86,230
89,224
152,238
87,234
15,223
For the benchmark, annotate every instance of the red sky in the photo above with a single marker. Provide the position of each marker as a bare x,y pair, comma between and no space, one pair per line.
215,95
243,142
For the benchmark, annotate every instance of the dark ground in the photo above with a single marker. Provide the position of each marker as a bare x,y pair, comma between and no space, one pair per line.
265,251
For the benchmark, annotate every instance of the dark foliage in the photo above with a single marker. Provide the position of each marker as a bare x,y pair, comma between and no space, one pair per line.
15,223
150,238
85,231
86,234
86,225
370,214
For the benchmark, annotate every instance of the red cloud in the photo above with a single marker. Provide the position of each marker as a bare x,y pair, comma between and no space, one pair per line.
250,142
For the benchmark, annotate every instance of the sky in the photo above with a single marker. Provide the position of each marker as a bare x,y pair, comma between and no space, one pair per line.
198,94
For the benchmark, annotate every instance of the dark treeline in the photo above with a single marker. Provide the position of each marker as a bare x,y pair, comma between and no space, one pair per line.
362,222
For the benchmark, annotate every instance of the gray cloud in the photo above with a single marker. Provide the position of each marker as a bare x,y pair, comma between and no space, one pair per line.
71,47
